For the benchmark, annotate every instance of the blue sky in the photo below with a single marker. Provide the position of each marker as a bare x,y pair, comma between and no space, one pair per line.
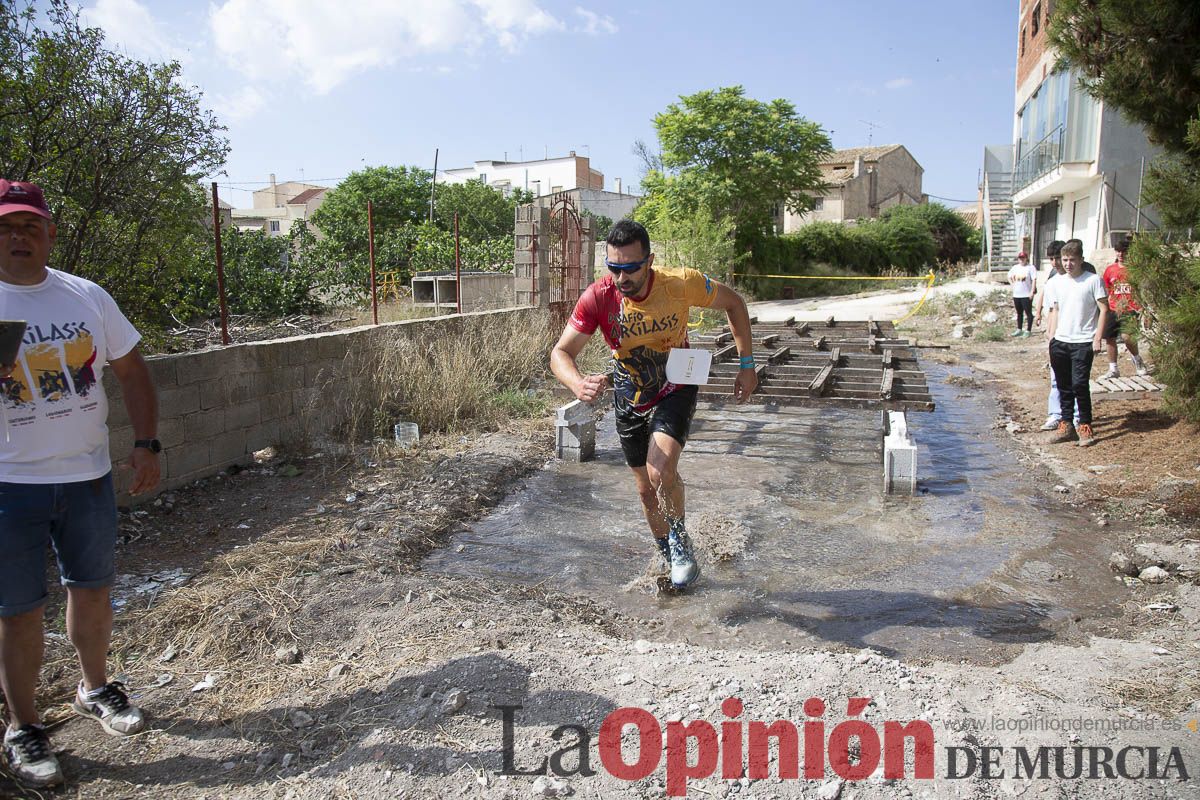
315,90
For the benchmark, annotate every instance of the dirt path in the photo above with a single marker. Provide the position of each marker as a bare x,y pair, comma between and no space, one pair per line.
280,630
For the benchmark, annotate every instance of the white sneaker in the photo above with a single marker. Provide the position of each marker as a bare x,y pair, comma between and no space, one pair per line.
29,757
110,706
1050,424
1113,372
1142,369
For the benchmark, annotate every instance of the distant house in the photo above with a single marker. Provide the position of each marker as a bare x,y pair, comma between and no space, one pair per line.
279,206
863,181
547,176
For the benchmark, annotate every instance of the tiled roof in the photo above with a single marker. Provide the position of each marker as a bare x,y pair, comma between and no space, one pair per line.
849,155
306,195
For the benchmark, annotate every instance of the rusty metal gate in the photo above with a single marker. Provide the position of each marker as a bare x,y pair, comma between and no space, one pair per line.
567,240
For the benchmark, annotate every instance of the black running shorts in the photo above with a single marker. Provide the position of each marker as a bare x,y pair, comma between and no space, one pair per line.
1117,324
672,415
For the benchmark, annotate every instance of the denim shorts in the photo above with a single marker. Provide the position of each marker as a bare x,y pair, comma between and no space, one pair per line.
78,519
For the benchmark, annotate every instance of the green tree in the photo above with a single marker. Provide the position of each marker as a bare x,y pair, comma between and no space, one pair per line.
739,157
952,235
118,145
1143,58
698,242
483,211
399,197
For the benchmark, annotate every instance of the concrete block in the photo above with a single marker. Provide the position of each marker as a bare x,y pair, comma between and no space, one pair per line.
178,401
300,351
163,372
203,425
120,442
265,434
267,355
275,406
899,456
187,458
118,416
202,366
335,345
170,431
243,415
575,432
229,447
227,390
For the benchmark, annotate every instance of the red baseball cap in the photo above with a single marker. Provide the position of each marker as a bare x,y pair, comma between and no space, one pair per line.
22,196
1022,254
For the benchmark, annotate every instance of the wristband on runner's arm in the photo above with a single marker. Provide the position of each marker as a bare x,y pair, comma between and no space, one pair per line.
746,362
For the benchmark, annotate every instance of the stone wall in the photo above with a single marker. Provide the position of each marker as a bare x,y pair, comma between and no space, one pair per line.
218,406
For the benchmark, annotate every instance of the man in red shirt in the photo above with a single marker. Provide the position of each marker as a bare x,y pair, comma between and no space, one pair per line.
643,313
1124,316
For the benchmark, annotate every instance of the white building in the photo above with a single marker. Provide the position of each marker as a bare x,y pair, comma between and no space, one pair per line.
1078,164
279,206
543,177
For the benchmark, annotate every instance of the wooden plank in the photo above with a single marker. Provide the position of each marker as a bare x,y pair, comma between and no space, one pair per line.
872,344
803,329
829,323
835,355
725,352
722,338
1146,383
779,355
885,386
820,383
872,326
769,341
887,357
819,344
773,396
790,321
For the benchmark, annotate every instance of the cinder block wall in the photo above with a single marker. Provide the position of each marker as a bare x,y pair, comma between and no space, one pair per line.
218,406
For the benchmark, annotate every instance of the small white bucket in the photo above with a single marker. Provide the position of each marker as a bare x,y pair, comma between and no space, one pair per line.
407,434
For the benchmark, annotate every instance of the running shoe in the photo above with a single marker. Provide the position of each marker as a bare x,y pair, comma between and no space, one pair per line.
29,758
110,706
684,569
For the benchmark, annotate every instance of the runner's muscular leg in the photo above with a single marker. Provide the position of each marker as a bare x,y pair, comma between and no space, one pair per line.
648,496
662,469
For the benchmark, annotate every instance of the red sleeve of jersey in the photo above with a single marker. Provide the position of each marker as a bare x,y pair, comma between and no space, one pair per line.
586,316
1110,277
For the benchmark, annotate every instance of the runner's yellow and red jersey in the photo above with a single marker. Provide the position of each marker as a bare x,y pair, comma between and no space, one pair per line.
642,332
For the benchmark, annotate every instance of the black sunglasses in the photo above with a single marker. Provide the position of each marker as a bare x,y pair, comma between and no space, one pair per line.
632,266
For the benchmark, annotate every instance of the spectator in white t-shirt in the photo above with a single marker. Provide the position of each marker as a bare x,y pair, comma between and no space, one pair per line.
55,476
1078,309
1023,277
1042,307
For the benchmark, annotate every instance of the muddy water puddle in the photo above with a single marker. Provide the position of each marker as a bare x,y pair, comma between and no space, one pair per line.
982,561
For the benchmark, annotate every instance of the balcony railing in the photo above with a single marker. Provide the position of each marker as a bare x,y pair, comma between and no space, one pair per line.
1040,159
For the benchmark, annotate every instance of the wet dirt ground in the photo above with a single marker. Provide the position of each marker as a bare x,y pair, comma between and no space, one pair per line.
980,563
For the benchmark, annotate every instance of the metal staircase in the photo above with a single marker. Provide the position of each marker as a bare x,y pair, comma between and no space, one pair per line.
999,222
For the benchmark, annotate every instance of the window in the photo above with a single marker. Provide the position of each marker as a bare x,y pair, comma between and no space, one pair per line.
274,226
818,203
1022,42
483,178
1035,21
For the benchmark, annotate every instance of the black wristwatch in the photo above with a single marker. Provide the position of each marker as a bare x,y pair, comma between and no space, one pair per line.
153,445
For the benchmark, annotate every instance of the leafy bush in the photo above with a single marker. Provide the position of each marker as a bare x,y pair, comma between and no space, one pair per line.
954,240
265,276
992,333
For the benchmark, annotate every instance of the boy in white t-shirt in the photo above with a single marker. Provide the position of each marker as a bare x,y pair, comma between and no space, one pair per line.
1022,277
56,476
1078,309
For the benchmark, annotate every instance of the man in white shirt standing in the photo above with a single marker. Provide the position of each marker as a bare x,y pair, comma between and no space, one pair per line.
1078,309
55,476
1022,277
1042,306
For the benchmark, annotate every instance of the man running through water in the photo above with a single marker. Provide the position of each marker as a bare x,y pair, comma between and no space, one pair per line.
643,313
